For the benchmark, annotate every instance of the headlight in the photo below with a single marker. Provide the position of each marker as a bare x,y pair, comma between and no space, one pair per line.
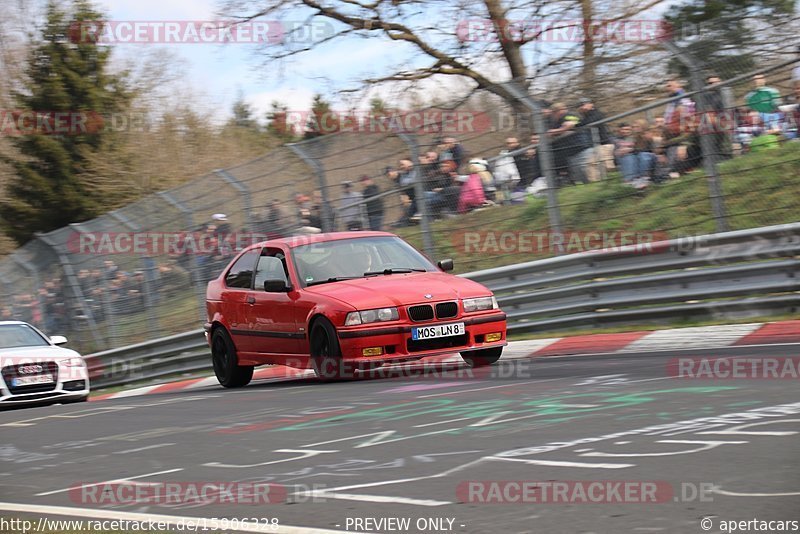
479,304
73,362
371,316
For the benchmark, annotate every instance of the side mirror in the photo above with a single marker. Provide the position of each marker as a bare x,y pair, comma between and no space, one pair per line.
275,286
58,340
445,265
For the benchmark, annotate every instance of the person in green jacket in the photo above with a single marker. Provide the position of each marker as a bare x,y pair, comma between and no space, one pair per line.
765,100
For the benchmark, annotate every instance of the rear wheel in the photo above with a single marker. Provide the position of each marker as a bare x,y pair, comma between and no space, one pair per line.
226,363
326,354
483,357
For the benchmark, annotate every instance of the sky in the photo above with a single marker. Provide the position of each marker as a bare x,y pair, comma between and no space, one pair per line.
218,74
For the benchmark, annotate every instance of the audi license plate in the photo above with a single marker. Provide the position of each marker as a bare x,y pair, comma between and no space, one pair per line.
30,380
437,330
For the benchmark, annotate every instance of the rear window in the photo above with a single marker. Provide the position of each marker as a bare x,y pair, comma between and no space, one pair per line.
240,274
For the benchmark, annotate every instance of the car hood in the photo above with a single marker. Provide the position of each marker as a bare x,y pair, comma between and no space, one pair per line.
18,355
400,289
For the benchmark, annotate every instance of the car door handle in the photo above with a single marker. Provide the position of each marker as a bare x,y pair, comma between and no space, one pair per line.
251,300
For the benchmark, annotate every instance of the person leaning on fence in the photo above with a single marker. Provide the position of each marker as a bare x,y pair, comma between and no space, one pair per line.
405,177
567,144
678,128
350,212
374,206
603,153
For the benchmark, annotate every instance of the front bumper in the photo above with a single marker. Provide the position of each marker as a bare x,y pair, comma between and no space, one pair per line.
72,385
397,345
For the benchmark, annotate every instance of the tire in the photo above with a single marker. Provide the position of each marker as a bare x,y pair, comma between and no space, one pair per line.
225,361
483,357
326,354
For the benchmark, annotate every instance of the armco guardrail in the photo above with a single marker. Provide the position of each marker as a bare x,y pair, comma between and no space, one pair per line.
747,272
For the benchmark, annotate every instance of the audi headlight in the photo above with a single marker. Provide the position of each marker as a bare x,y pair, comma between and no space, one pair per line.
73,362
371,316
479,304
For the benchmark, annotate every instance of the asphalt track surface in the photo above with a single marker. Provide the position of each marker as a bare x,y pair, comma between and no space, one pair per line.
406,447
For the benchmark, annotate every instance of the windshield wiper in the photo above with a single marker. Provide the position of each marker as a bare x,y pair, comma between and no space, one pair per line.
396,270
332,279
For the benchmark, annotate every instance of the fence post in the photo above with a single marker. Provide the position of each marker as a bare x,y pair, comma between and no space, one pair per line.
319,170
244,191
37,283
149,291
419,192
706,142
197,279
544,152
74,285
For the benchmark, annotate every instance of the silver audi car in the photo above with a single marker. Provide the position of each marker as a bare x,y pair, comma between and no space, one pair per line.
36,370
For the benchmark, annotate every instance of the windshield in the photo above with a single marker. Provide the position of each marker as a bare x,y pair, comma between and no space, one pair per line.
20,335
352,258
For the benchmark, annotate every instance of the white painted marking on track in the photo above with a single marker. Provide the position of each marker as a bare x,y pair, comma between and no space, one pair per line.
707,445
737,494
156,446
737,430
377,498
303,454
44,494
171,520
692,338
134,392
557,463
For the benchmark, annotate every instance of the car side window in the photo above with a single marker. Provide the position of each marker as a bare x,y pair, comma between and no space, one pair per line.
271,266
240,274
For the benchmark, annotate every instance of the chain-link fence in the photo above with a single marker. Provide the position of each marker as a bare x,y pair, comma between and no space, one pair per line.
489,181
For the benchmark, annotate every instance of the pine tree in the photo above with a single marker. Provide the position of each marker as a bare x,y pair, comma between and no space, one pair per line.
322,120
277,122
52,183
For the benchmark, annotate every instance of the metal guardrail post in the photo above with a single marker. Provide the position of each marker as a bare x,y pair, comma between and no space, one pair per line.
244,192
710,157
74,285
319,170
544,152
419,193
197,279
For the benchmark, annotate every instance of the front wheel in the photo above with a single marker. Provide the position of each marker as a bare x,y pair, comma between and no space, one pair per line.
226,363
483,357
326,354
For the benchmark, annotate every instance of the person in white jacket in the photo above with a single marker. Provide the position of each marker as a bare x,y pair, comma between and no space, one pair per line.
506,176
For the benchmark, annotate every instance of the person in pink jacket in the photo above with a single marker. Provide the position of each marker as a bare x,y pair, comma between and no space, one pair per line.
472,195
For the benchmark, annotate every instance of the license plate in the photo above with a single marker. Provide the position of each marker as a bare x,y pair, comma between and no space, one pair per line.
437,330
30,380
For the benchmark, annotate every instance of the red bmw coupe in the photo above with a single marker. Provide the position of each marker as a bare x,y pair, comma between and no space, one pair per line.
344,301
